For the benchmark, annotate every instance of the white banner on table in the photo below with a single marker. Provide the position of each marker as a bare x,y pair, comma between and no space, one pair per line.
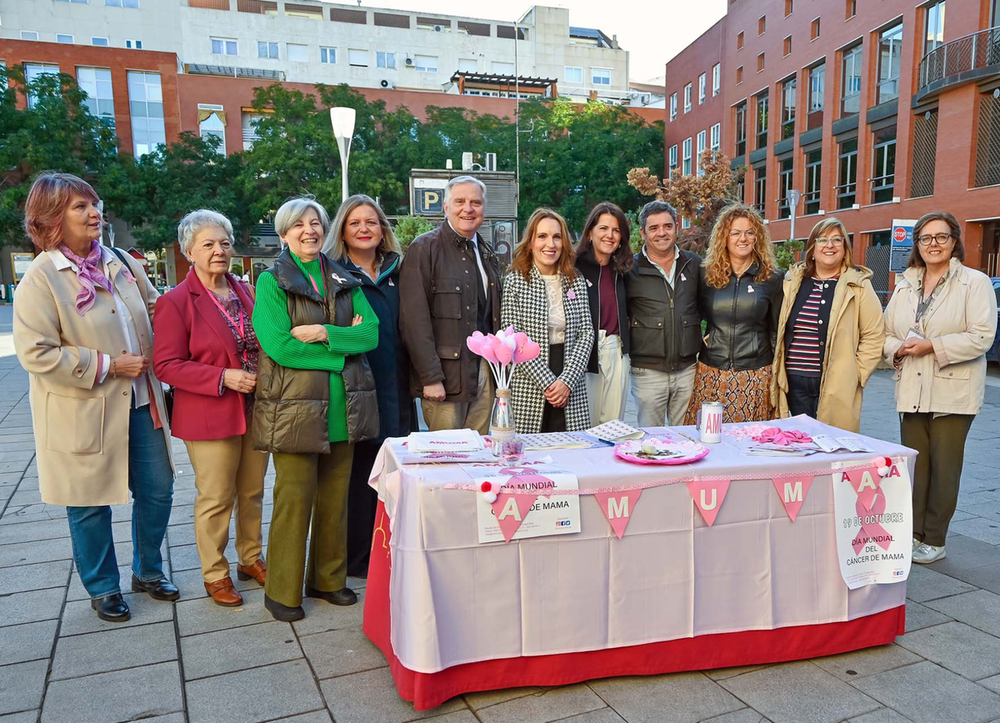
552,515
874,523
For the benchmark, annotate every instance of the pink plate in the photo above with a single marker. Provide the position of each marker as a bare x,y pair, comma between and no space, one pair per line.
687,451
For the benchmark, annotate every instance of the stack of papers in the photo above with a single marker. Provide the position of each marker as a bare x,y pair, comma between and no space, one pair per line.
446,440
780,450
615,431
841,444
557,440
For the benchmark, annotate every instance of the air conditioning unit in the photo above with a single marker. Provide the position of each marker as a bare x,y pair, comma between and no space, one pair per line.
388,84
409,62
491,161
467,161
438,28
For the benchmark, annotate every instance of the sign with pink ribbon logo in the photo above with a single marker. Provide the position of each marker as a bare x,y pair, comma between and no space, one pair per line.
525,505
708,495
792,492
618,508
874,523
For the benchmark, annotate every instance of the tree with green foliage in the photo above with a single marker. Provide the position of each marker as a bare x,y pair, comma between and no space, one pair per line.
409,227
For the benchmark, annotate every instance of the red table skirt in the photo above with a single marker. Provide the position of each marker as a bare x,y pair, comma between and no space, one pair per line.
751,647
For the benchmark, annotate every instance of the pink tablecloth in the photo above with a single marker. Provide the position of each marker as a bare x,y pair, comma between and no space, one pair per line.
454,601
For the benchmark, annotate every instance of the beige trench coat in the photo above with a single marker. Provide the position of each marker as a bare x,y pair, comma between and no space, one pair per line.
854,341
81,428
961,323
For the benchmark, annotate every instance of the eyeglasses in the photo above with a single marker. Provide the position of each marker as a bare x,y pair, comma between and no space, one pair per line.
750,234
939,238
832,241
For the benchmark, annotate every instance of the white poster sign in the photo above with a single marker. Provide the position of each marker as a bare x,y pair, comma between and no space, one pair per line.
874,522
548,515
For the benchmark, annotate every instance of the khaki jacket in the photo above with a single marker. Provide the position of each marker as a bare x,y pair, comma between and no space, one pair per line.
81,427
961,323
854,339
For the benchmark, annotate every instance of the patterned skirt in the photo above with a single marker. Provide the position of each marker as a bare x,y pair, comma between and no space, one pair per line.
745,395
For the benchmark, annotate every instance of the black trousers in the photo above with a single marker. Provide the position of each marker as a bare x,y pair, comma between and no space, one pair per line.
362,501
803,394
554,418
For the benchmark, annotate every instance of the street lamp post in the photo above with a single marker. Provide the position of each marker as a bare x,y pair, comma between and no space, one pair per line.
793,201
343,130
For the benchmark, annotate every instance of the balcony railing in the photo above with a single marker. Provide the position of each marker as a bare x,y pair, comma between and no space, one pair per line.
977,51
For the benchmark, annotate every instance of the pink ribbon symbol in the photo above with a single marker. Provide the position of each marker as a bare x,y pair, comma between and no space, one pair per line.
871,530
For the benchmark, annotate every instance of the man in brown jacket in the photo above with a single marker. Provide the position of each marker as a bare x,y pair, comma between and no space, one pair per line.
449,288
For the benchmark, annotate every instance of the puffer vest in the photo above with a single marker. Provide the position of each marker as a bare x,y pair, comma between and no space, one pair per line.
291,405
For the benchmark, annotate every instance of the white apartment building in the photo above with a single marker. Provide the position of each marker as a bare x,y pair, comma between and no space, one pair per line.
319,42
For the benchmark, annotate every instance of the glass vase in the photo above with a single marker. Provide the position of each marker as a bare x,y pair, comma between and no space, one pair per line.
507,445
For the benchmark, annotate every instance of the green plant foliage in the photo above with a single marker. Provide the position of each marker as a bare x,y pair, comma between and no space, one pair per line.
409,227
635,237
786,253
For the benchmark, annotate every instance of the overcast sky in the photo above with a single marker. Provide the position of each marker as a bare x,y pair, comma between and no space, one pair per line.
653,31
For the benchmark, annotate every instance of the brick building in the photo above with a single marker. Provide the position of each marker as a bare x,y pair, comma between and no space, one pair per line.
874,111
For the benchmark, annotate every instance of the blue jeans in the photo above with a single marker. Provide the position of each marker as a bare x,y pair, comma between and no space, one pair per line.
151,482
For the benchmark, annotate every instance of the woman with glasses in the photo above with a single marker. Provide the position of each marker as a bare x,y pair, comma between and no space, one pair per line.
830,332
939,323
739,299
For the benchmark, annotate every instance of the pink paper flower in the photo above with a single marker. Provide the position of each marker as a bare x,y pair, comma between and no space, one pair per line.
783,437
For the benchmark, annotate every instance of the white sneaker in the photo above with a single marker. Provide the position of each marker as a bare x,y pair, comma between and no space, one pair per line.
916,544
926,554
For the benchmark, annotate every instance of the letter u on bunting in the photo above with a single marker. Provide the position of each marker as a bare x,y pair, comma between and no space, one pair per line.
792,492
708,496
618,508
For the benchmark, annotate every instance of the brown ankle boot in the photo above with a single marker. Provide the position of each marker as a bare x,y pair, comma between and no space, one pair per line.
257,571
223,593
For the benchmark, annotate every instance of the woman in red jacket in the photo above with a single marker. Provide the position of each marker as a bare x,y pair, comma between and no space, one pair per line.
206,349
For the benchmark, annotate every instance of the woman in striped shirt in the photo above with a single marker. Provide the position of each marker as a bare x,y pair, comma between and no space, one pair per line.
830,332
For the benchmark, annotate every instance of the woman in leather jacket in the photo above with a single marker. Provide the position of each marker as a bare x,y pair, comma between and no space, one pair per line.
740,300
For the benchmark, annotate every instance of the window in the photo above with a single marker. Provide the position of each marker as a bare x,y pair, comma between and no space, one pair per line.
29,35
385,59
673,157
741,129
100,42
817,85
787,46
716,79
328,55
212,126
224,46
267,49
357,58
884,168
600,76
760,189
850,101
698,163
847,179
788,94
687,98
814,29
760,62
136,44
702,82
852,8
673,106
811,197
761,121
716,137
788,8
933,26
96,83
471,65
296,52
426,63
81,2
63,38
250,133
686,169
146,108
762,25
890,43
574,74
784,186
739,75
498,68
33,71
739,40
118,3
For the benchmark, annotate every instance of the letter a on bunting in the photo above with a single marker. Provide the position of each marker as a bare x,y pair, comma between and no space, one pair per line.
618,508
708,496
510,511
792,492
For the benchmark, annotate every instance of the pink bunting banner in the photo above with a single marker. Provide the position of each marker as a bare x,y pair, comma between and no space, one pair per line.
510,511
792,492
618,508
708,496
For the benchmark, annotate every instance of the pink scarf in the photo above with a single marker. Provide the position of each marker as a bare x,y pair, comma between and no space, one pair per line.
88,272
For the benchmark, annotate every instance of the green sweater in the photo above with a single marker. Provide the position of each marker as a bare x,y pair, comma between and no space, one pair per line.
273,328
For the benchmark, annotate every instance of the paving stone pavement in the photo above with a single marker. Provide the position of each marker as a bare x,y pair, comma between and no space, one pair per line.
195,662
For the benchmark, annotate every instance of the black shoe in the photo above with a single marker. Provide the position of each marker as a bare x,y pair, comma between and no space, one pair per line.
161,589
282,612
112,608
344,596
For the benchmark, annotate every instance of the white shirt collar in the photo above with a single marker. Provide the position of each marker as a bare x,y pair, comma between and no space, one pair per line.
473,240
60,260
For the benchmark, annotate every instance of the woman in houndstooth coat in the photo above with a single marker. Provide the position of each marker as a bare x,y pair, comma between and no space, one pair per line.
546,298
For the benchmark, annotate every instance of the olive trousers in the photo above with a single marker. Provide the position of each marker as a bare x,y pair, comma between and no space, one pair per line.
309,486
